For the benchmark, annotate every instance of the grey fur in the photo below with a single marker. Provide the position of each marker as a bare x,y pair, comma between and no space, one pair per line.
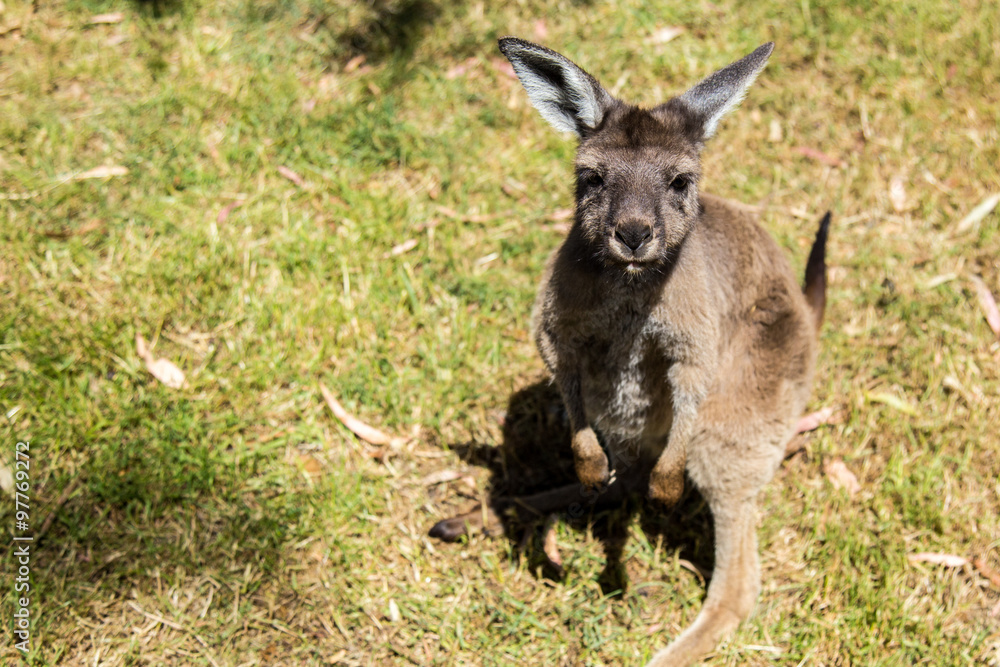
673,326
566,96
723,90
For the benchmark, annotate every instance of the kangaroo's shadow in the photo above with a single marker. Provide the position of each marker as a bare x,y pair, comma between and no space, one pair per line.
535,456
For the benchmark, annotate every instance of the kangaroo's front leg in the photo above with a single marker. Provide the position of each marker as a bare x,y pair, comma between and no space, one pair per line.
589,458
666,481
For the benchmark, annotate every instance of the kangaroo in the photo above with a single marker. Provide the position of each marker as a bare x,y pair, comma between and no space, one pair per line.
678,336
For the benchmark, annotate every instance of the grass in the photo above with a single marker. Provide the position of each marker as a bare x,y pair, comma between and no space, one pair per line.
234,521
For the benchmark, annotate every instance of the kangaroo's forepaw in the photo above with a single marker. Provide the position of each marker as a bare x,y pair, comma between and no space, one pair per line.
666,488
591,461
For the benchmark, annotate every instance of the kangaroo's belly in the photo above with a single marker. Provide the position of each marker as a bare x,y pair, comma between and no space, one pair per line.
626,391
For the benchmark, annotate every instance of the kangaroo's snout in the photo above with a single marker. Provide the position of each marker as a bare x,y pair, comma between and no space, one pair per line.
634,234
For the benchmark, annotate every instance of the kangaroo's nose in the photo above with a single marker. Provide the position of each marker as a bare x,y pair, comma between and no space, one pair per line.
633,233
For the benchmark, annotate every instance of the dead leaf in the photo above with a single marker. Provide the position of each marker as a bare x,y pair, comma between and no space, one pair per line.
405,246
106,19
162,369
666,34
226,210
977,214
291,175
101,172
897,194
988,304
841,477
354,63
987,571
813,421
549,545
427,225
995,612
440,477
310,465
934,558
367,433
819,156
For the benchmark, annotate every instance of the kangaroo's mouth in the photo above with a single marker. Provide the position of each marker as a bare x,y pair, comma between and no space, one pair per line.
632,260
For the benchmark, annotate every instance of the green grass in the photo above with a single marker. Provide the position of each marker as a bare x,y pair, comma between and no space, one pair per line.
241,513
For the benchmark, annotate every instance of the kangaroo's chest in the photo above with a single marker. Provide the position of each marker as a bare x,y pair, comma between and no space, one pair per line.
624,380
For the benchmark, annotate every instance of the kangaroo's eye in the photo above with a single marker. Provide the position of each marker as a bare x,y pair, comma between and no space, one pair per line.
591,179
679,184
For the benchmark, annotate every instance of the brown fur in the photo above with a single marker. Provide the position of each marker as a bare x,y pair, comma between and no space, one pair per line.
674,328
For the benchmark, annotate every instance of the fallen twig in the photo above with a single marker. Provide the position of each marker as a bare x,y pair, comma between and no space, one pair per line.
935,558
987,571
369,434
440,477
977,214
400,248
291,175
988,304
691,567
813,421
106,19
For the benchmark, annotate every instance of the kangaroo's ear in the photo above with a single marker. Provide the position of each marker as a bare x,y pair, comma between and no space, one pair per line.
566,96
719,93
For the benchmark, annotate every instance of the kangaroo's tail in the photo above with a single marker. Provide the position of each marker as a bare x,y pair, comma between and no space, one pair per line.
815,287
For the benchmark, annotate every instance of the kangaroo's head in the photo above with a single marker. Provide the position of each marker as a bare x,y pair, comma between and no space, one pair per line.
637,169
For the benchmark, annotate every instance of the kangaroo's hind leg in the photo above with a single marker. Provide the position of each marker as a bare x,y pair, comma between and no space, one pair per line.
729,477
